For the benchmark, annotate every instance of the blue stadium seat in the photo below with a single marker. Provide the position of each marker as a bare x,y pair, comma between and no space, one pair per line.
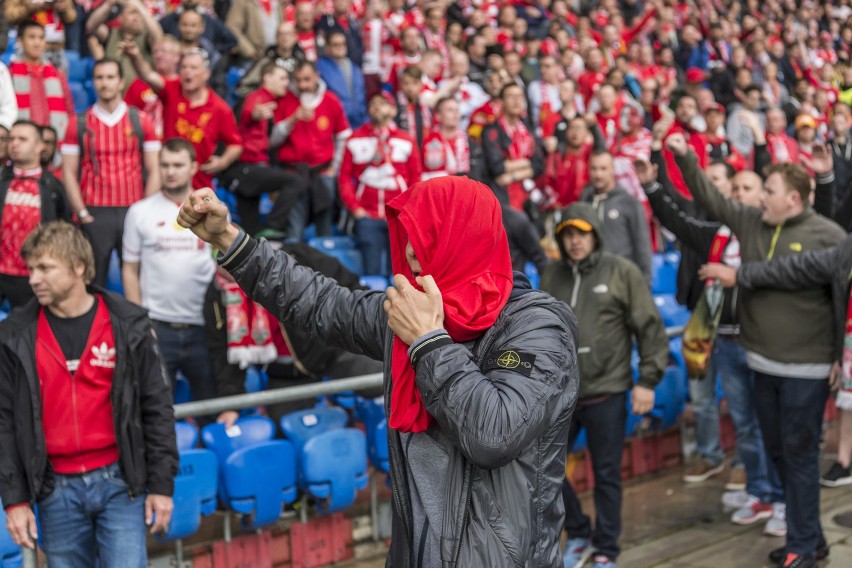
79,68
231,80
341,248
229,199
379,283
532,274
80,96
186,434
256,379
670,396
664,272
113,283
10,553
673,314
257,475
332,458
372,413
182,391
194,493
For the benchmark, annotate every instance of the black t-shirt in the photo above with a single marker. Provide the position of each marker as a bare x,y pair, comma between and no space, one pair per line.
72,334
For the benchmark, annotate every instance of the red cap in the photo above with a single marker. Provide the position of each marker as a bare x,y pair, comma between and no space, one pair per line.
694,75
717,107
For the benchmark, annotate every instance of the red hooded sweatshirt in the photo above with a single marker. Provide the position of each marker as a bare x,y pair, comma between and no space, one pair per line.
455,226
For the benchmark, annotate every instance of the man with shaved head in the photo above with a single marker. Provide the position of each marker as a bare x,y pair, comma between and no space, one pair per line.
715,242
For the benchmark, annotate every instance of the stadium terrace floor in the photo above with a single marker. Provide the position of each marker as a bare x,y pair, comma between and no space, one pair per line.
668,524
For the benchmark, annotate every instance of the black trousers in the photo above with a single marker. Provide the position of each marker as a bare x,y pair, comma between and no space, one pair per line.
250,181
16,289
604,422
104,233
790,412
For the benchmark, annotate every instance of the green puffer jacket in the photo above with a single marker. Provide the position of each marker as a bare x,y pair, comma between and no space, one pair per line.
612,303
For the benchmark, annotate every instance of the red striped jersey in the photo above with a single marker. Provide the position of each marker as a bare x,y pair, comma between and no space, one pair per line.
111,164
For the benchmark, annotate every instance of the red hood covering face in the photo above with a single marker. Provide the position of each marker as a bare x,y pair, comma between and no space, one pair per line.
455,226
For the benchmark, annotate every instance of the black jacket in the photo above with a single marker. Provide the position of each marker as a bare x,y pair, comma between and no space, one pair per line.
495,151
141,399
811,269
507,430
54,202
695,234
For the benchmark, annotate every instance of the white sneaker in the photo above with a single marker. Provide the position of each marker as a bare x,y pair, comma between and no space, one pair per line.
777,523
733,500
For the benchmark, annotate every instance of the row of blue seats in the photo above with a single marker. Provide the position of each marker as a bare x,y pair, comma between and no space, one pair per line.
255,474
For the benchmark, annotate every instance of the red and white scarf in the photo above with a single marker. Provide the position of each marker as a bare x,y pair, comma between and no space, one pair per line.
521,147
250,340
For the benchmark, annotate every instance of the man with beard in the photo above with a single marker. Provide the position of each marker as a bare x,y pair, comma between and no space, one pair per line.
685,112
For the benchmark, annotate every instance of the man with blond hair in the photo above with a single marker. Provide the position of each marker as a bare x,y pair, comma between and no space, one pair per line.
83,464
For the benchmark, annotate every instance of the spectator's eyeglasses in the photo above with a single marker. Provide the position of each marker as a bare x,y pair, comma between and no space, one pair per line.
200,52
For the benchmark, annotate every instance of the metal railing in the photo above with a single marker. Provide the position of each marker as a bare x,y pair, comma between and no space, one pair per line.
288,394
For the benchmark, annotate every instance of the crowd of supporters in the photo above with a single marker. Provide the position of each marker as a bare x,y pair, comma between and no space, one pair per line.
334,107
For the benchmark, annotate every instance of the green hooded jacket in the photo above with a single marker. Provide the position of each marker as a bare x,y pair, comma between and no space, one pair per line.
613,306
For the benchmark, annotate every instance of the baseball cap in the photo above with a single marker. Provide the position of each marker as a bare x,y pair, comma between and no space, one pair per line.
805,121
580,224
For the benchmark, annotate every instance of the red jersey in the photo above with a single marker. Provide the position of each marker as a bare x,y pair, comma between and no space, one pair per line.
394,66
21,214
143,97
568,174
627,150
588,84
445,156
312,142
782,149
308,42
204,125
377,166
608,125
698,144
110,161
255,133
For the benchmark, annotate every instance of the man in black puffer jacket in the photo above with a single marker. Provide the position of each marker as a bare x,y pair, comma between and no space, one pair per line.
480,371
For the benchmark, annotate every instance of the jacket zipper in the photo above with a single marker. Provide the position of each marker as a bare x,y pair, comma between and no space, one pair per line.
469,469
774,241
576,290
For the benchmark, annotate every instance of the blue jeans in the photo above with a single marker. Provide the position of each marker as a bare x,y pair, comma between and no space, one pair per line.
184,348
738,382
374,242
604,423
790,413
706,410
92,516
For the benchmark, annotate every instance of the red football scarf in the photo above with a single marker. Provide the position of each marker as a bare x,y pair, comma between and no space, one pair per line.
718,246
250,340
455,226
521,147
